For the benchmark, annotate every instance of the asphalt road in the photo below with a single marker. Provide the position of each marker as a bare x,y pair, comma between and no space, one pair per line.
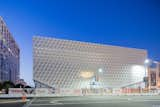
11,103
97,101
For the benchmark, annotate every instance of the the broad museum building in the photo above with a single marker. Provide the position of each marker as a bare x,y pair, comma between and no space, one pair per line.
59,63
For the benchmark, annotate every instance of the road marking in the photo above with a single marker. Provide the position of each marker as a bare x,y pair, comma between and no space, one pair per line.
29,103
76,103
129,99
82,99
56,102
16,101
151,100
91,101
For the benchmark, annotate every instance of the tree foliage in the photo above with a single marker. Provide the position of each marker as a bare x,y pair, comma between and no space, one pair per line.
28,86
19,86
1,86
7,85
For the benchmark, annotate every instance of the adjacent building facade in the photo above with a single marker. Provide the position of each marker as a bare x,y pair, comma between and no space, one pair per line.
9,55
71,64
154,75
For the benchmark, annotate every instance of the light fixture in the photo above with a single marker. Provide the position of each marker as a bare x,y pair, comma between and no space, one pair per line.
100,70
147,61
86,74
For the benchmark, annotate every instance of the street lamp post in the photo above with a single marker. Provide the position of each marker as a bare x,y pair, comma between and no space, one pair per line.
146,64
95,81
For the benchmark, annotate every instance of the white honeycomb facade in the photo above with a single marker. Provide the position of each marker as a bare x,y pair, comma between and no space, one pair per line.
60,63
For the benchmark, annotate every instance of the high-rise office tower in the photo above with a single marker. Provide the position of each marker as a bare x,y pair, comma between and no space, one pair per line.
9,55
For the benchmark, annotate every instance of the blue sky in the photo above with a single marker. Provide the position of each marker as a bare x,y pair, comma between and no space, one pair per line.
129,23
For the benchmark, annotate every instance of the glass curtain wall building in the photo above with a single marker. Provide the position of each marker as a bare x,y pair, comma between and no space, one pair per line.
71,64
9,55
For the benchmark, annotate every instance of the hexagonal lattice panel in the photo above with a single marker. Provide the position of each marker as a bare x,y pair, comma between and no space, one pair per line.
59,63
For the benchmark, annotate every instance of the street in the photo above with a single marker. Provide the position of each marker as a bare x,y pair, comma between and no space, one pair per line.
97,101
11,103
86,101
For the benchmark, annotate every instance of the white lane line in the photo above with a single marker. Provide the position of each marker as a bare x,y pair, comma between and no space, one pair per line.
150,100
5,102
129,99
102,102
29,103
76,103
56,102
81,99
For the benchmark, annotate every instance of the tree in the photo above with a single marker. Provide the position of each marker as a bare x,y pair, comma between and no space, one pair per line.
1,86
28,86
7,85
19,86
28,89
